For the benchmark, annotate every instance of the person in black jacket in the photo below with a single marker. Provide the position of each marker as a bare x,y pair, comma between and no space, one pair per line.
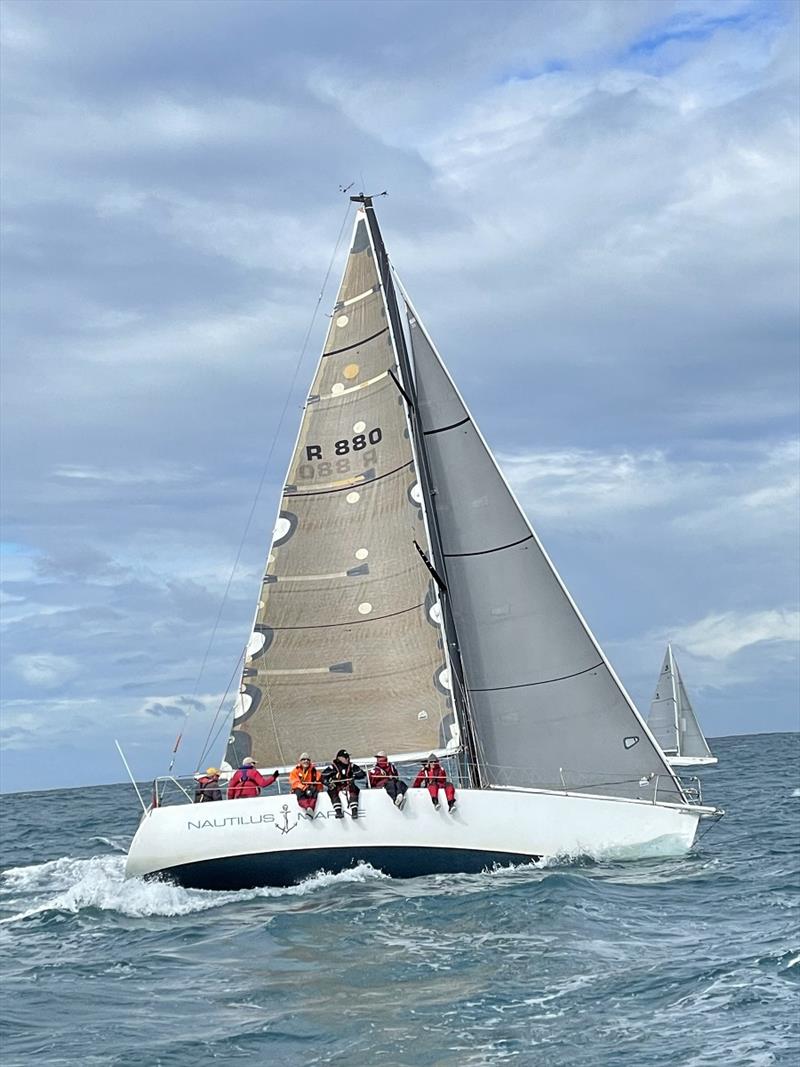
340,777
208,787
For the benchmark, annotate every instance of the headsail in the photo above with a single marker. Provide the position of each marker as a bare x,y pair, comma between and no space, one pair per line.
546,706
672,718
347,647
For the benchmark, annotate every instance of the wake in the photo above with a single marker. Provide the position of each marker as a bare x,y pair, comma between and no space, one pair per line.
99,883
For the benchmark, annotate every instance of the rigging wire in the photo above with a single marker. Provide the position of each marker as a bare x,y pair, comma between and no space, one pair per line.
262,479
208,743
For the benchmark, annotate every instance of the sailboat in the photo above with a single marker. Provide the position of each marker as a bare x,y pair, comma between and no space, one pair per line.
673,721
408,606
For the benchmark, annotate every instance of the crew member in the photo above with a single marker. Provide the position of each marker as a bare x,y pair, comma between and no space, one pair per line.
305,782
207,787
248,781
384,775
339,777
432,775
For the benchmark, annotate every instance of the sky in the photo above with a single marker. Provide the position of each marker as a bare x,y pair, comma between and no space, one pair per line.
594,208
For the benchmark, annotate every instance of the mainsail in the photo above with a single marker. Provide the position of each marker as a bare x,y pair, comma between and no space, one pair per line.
547,709
672,718
347,648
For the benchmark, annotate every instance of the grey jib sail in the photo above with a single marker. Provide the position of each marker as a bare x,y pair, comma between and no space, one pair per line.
547,709
672,718
347,649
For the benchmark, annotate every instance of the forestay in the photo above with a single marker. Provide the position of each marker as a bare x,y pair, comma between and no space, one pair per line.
546,707
346,649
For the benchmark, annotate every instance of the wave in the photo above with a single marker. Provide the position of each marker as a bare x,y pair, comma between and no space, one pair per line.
99,883
111,843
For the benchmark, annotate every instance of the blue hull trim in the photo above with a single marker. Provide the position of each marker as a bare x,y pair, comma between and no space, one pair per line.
290,867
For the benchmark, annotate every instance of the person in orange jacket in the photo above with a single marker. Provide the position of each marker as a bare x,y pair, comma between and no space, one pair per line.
248,781
384,775
433,777
305,782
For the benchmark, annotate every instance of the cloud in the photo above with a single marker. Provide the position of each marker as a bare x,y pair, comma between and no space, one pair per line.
158,710
120,476
721,636
726,492
44,670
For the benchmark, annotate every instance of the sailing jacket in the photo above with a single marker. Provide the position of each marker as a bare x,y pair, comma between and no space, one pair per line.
302,779
207,789
431,774
342,775
248,782
382,772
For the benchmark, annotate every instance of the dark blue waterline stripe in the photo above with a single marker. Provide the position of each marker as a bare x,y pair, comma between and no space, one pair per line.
289,867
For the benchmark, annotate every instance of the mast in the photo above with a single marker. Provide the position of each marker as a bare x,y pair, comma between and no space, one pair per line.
675,700
437,568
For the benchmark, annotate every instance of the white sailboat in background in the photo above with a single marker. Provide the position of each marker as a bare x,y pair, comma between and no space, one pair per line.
408,606
673,721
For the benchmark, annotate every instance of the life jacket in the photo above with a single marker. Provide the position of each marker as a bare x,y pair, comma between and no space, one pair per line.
431,775
242,785
301,778
381,773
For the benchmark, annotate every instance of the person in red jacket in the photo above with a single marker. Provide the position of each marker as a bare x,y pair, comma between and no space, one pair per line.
433,777
248,781
384,776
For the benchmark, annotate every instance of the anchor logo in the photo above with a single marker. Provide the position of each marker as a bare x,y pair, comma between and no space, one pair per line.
286,826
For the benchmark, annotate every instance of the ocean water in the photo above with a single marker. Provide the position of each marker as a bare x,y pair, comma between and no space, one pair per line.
690,961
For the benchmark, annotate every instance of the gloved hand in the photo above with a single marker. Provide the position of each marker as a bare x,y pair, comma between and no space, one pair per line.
275,774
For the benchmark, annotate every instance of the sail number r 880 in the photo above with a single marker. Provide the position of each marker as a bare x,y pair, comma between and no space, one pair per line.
340,455
346,445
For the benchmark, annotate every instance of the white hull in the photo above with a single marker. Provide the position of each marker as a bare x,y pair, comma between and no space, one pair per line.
692,761
238,844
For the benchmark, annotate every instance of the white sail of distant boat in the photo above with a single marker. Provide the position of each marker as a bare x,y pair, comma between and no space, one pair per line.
408,606
673,721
